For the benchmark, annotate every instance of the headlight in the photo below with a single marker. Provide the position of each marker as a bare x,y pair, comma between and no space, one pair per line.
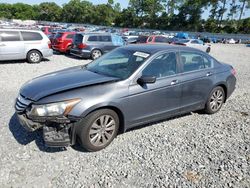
54,109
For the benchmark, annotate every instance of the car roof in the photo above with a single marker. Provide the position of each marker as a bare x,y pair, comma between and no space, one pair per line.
89,33
26,30
154,48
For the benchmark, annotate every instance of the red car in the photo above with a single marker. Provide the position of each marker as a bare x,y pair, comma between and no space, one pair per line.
157,39
62,41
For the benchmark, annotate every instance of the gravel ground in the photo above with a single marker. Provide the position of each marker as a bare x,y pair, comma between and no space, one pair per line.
195,150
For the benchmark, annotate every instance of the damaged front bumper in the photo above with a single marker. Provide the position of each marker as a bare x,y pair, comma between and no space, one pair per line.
57,132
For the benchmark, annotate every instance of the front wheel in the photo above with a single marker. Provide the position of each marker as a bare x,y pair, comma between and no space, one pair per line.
34,56
98,129
215,100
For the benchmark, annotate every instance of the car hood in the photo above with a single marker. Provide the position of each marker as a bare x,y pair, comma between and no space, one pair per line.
63,80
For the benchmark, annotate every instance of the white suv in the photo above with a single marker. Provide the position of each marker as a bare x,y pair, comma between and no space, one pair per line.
16,44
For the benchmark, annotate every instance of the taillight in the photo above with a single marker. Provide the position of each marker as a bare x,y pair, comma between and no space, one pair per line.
49,44
81,45
233,71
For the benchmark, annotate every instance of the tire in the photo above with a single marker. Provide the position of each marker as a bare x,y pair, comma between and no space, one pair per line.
93,132
68,50
34,56
215,100
208,50
95,54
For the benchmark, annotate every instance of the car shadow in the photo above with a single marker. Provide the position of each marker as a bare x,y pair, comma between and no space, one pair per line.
20,61
77,146
25,137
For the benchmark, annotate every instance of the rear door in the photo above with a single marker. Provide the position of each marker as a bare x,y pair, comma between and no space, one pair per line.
196,78
11,46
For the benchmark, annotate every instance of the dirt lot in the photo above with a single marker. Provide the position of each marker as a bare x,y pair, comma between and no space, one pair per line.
195,150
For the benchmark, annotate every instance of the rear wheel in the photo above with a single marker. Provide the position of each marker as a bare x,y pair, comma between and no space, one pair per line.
215,100
68,50
34,56
98,129
95,54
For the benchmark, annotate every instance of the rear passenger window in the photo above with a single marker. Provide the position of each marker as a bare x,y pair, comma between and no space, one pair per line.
106,38
193,61
8,36
93,38
29,36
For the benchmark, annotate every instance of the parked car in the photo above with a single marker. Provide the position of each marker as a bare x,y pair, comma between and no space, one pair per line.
157,39
62,41
129,86
94,45
24,44
47,30
195,43
231,41
130,39
142,39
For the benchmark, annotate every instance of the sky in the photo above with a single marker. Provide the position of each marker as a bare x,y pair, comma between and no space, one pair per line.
124,4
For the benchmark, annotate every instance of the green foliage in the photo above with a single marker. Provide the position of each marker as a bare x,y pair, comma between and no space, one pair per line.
49,11
77,11
224,15
6,11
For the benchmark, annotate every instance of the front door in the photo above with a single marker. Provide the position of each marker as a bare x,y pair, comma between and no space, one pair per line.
157,100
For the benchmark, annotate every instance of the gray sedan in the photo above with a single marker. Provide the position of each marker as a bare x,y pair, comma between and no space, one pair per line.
127,87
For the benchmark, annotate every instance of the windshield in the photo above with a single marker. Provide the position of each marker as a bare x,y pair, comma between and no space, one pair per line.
120,63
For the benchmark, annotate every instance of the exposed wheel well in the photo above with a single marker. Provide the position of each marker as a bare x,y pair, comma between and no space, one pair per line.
34,50
96,49
225,90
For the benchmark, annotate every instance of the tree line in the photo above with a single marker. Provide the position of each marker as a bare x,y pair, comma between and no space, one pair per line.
224,16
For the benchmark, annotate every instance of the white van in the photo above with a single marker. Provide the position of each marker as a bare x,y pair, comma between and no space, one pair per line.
16,44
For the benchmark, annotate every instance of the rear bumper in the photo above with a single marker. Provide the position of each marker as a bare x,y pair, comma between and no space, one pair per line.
231,85
81,53
59,48
47,52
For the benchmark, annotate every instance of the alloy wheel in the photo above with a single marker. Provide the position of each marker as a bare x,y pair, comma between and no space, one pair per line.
216,100
102,130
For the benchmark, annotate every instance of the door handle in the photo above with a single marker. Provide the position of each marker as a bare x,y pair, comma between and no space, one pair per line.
174,82
209,74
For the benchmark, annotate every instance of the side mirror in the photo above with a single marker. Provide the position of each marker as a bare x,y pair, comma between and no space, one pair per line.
146,80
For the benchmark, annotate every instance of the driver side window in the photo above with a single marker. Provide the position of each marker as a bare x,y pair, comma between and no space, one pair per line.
162,66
